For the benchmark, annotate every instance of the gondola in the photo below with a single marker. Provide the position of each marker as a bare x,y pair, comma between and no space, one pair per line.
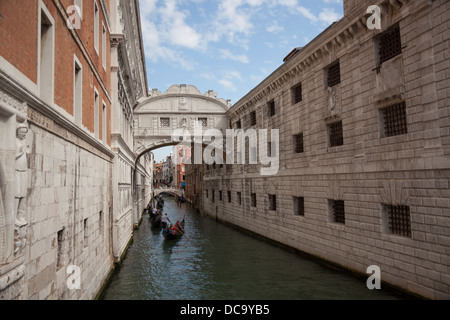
155,220
174,233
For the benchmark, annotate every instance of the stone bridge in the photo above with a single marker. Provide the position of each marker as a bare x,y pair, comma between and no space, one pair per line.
172,191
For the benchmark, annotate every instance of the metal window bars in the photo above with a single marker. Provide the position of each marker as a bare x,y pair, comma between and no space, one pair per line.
336,134
399,220
334,74
394,118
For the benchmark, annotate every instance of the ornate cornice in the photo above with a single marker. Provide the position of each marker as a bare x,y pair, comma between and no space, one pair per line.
338,35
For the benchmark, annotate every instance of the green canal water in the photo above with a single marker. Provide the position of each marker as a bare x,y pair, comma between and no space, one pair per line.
217,262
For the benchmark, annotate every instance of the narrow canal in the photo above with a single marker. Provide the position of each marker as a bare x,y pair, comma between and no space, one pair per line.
217,262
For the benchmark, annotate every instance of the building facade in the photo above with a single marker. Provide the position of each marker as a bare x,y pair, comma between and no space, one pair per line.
364,145
60,145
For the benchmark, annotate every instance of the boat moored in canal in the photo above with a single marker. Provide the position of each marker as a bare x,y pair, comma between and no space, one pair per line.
174,231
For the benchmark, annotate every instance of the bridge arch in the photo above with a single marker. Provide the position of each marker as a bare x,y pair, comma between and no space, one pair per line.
180,108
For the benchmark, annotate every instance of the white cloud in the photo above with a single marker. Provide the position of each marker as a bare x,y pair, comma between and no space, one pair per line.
226,54
274,27
228,84
329,16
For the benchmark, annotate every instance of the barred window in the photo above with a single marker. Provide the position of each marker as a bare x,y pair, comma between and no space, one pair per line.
389,44
394,120
220,195
271,108
272,202
203,122
334,74
298,143
299,206
213,195
207,194
229,196
335,134
238,124
399,220
337,211
239,198
165,122
297,93
253,199
252,118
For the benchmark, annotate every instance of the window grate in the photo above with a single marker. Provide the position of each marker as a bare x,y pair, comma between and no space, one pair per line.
272,202
298,143
220,195
336,134
271,108
399,220
239,198
334,75
299,206
252,118
229,196
203,122
213,195
253,199
395,120
238,124
165,122
390,44
297,93
338,211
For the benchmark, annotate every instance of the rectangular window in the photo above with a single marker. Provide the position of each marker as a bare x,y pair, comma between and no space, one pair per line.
299,206
100,223
335,134
334,74
207,194
213,195
399,220
271,109
336,211
203,122
389,44
272,202
96,115
229,196
59,257
96,27
104,128
238,124
104,46
165,122
296,93
220,195
85,232
46,56
253,199
77,92
298,143
239,198
252,118
394,120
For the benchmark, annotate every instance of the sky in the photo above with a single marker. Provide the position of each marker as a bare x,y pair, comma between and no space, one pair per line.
228,46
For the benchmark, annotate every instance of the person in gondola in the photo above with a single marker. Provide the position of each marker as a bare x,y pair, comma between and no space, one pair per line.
164,221
177,226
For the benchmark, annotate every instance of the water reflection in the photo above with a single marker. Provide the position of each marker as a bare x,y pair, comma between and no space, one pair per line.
216,262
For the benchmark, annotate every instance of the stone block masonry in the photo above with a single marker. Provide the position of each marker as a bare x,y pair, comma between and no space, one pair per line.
381,197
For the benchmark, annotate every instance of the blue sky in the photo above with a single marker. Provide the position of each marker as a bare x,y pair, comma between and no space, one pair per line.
228,46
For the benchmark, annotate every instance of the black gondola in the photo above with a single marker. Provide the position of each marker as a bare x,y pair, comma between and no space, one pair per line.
174,232
155,220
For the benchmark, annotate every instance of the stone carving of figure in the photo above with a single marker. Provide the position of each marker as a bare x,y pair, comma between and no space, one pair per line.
331,99
20,191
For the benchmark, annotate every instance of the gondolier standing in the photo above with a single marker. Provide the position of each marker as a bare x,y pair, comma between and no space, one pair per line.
164,221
